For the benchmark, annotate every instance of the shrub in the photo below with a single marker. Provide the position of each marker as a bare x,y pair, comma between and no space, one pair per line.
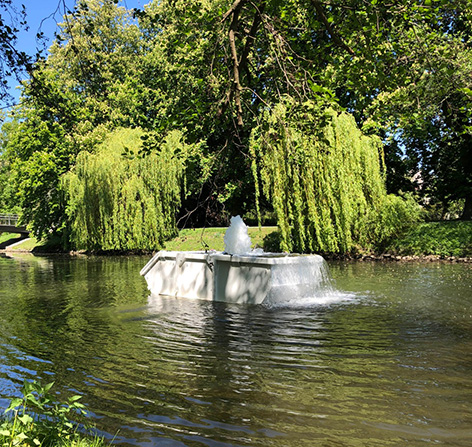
394,218
36,419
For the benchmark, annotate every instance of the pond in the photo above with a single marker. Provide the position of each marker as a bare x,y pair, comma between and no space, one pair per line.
386,363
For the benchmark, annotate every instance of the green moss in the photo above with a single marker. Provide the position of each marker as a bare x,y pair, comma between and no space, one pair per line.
446,238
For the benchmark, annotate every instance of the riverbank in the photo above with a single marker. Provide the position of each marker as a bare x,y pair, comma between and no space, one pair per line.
189,239
449,241
444,239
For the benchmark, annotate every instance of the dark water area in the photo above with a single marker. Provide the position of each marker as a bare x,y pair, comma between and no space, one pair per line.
386,362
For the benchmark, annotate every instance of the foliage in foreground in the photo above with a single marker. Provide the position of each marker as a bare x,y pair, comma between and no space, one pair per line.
36,419
448,238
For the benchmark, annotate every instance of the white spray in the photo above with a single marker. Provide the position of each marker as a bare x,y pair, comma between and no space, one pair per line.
303,282
237,240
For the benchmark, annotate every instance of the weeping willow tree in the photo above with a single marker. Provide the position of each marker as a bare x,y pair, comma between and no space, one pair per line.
325,179
119,200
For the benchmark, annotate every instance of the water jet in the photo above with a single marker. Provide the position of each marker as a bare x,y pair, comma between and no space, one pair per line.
239,274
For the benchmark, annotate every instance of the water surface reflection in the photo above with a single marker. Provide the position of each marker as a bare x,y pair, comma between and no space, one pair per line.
389,366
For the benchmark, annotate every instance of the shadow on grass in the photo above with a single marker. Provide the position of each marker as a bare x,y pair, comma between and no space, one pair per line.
13,240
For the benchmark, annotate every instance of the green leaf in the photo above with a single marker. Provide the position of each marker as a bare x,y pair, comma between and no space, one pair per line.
48,387
25,419
28,387
15,402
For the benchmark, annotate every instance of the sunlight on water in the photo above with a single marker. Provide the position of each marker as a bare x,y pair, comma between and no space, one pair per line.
384,359
324,299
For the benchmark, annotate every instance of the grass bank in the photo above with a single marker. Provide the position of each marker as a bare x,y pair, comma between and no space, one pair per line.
212,238
8,239
443,239
187,240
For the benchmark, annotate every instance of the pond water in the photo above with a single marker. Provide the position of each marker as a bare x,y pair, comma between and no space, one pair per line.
386,363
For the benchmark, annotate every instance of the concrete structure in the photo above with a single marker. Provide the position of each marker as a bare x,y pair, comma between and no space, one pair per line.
244,279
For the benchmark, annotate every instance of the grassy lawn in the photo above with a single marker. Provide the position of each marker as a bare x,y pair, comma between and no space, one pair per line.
8,239
212,238
27,245
187,240
447,238
4,237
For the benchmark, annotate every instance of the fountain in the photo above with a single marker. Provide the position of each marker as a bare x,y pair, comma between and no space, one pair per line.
237,240
239,274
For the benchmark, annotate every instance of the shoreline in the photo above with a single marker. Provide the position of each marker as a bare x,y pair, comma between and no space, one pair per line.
443,242
385,257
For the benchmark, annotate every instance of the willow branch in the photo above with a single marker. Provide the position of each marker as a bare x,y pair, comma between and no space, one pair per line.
251,37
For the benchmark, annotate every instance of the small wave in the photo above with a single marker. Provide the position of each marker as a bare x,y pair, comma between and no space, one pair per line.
312,301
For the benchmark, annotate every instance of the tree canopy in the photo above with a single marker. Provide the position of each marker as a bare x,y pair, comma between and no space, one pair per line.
246,84
13,62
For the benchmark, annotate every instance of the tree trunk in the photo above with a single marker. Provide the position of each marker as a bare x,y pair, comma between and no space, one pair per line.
467,212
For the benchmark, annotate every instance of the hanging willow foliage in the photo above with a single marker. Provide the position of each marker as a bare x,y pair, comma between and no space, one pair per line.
324,177
118,202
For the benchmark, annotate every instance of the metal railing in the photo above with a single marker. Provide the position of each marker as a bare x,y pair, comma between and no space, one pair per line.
9,219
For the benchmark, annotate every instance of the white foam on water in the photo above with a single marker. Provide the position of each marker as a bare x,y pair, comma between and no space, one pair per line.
307,302
306,282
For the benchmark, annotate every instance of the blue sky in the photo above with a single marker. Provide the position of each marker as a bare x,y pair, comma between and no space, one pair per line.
43,15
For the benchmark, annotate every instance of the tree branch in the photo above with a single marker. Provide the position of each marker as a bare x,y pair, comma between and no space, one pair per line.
240,63
237,5
335,36
236,83
251,37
